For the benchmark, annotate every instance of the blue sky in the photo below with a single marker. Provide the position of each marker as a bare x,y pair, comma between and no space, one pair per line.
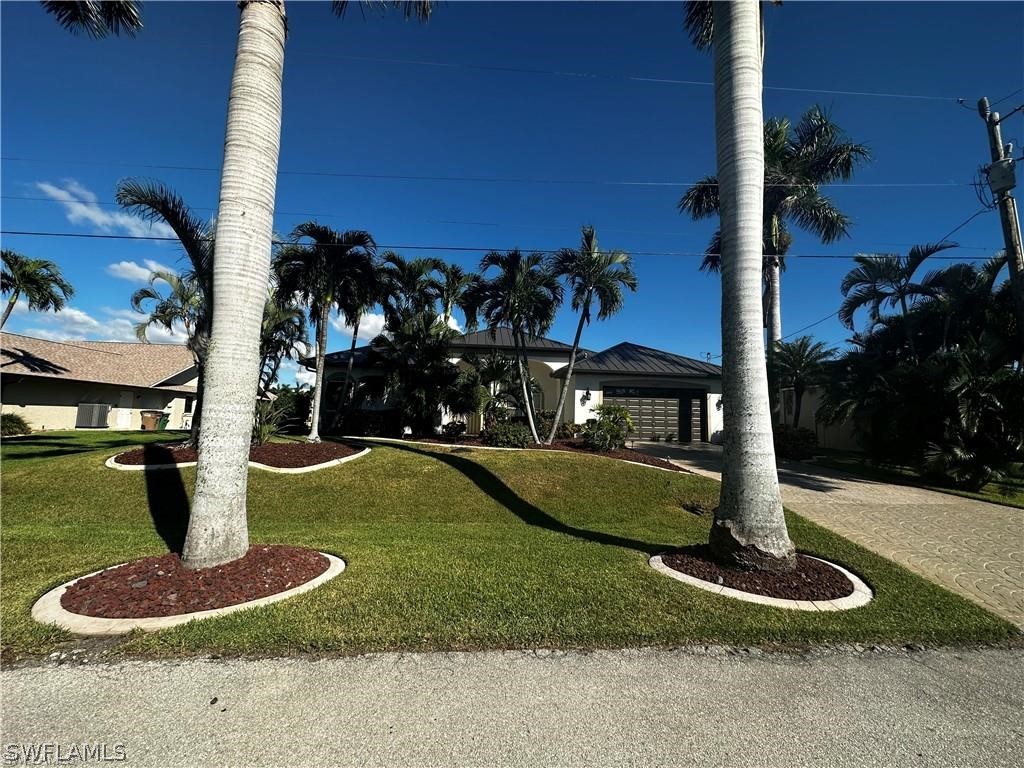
360,100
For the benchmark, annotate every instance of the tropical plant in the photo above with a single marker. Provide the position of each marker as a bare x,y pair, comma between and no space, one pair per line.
610,430
419,374
794,442
881,280
268,420
218,525
282,335
523,296
187,300
590,273
749,529
13,424
38,280
97,18
452,285
408,285
453,430
325,273
800,364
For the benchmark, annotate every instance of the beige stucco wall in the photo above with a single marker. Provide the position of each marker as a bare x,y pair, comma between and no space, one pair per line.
838,436
53,404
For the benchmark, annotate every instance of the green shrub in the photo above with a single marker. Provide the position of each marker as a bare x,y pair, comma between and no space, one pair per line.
507,436
656,438
267,421
13,424
453,430
670,437
567,430
610,430
794,442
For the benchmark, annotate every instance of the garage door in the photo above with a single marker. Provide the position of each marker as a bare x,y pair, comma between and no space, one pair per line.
651,415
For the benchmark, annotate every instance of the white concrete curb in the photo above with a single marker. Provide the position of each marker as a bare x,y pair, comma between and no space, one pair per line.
280,470
402,441
48,610
861,592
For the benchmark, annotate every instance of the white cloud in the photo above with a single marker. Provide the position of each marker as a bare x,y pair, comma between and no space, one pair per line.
293,373
454,324
71,324
135,272
371,325
81,206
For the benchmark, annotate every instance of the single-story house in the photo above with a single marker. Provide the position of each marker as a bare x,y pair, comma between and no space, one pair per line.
665,393
95,384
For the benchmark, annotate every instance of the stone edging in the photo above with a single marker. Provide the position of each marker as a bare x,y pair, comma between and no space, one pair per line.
48,610
266,468
449,446
862,593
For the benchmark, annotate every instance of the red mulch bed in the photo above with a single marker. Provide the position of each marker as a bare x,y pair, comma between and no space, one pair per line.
625,454
280,455
812,579
162,586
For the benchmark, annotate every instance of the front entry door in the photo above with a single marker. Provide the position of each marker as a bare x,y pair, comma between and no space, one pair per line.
124,410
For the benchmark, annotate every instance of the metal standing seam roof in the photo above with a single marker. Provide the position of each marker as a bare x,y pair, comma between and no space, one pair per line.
633,359
502,339
127,364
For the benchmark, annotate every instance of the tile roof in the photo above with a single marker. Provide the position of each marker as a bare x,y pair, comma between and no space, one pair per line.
628,358
128,364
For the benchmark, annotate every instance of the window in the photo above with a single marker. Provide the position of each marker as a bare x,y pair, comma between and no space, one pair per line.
189,401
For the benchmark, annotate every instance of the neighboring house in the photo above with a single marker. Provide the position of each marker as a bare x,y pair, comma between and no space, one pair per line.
95,384
838,436
666,394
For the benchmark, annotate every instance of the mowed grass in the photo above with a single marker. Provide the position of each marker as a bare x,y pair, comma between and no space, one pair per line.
467,549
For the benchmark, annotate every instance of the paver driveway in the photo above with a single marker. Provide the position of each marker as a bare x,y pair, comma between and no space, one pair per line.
970,547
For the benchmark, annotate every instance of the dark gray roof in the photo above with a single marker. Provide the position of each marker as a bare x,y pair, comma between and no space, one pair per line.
633,359
502,339
340,358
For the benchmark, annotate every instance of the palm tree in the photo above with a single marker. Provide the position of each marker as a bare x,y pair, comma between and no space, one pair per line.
408,286
451,287
283,331
97,18
218,526
749,528
326,273
590,273
189,300
524,297
38,280
887,279
798,160
801,364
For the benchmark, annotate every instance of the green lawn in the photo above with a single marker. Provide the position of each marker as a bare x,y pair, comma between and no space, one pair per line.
463,550
1009,491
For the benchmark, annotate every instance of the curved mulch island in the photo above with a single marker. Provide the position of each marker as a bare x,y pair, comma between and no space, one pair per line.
290,457
815,584
158,592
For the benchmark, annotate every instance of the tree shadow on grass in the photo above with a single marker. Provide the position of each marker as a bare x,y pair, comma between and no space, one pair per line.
42,445
494,487
168,501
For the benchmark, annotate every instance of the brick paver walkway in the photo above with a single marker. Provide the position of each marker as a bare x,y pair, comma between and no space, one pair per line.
970,547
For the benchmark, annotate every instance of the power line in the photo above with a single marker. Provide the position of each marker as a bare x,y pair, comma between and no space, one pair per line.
455,248
475,179
597,76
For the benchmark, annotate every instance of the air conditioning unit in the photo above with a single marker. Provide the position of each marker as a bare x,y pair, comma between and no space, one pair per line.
92,415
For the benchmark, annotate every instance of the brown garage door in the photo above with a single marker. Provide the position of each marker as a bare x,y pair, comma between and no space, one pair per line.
651,415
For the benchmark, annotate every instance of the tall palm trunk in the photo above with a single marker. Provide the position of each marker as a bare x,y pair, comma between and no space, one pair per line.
749,527
774,335
519,344
569,369
9,308
798,401
342,403
218,529
318,385
908,325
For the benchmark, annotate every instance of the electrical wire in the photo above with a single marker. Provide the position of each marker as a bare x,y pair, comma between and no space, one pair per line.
473,179
454,248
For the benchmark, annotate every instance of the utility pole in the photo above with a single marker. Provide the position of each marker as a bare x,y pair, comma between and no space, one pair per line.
1002,179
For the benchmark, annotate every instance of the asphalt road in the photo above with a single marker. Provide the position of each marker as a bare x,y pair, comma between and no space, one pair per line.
644,708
